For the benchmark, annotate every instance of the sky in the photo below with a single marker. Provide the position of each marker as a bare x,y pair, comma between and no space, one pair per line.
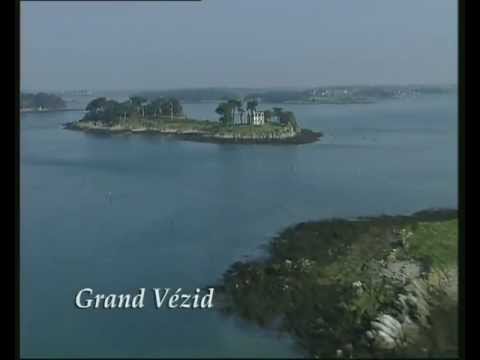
248,43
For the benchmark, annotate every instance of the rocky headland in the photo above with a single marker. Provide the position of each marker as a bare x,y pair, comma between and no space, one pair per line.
368,287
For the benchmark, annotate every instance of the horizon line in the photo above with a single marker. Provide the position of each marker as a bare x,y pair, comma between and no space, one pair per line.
277,87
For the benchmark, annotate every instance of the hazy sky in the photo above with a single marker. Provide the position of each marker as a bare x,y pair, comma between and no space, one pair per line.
245,43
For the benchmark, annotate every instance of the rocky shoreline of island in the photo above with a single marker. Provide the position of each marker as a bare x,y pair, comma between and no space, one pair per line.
303,136
382,286
287,136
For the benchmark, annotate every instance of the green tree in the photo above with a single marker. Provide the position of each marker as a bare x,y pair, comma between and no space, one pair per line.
234,105
177,107
138,102
150,110
268,115
277,112
96,104
124,110
224,109
288,118
155,107
221,110
171,107
111,112
252,106
239,108
241,112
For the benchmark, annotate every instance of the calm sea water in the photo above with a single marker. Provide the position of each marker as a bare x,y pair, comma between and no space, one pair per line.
181,212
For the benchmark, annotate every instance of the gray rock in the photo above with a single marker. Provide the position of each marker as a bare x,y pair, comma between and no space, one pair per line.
387,324
386,332
384,342
411,330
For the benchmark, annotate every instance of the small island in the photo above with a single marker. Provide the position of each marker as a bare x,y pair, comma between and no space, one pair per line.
239,122
41,102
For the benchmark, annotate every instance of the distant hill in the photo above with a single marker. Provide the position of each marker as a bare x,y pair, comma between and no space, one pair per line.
318,94
347,94
195,95
41,102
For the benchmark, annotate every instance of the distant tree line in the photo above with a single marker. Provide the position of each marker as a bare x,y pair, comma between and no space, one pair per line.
109,111
193,95
279,96
351,93
41,101
375,92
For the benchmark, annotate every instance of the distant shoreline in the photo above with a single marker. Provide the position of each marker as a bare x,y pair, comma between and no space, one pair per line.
48,110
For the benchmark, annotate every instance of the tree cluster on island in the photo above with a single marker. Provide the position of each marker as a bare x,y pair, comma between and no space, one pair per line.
110,111
41,102
235,109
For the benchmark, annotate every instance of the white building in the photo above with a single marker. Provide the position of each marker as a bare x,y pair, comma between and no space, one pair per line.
245,118
258,118
241,117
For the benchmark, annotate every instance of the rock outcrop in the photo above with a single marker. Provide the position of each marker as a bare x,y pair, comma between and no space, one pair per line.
401,326
409,315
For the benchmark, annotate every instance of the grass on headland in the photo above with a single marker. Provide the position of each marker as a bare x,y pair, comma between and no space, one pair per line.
435,243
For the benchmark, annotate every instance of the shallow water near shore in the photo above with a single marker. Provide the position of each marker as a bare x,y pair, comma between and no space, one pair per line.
115,213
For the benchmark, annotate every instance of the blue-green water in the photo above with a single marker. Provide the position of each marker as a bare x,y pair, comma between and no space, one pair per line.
181,212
